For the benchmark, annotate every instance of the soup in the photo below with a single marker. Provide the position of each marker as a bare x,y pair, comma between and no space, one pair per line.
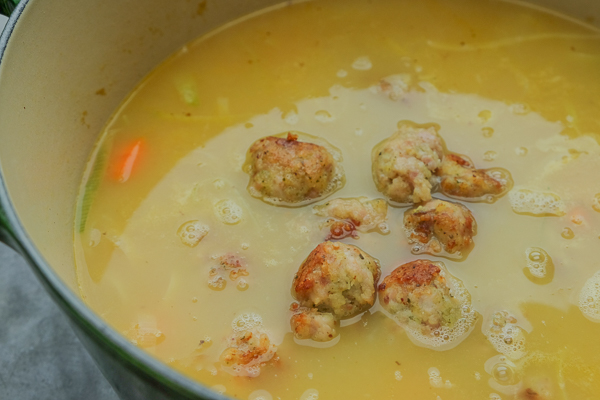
175,252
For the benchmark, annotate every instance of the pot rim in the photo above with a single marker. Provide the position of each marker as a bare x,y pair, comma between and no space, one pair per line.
136,360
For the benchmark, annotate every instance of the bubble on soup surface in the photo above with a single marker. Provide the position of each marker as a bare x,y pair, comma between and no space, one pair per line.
487,132
596,202
342,73
398,375
519,108
228,212
485,116
505,335
525,201
567,233
310,394
540,268
246,322
260,395
217,283
362,63
435,379
219,388
589,298
521,151
291,118
490,155
324,116
494,396
192,232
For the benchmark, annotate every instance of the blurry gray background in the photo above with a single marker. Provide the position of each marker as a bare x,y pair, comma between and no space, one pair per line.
40,356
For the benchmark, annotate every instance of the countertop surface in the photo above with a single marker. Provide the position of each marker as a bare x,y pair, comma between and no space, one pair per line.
40,356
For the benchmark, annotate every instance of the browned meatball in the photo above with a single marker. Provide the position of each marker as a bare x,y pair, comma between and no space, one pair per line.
440,224
459,178
248,351
308,323
337,278
429,303
403,164
284,170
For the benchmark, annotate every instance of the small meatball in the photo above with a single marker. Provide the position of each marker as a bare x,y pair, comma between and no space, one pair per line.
309,323
346,216
248,350
337,278
286,170
428,302
440,224
395,86
459,178
403,164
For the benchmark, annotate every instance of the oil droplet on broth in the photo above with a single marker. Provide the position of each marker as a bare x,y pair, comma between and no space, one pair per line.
540,268
567,233
487,132
490,155
596,202
192,232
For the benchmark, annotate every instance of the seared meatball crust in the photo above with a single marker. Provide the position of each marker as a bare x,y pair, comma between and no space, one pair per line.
403,164
289,172
440,225
337,278
460,179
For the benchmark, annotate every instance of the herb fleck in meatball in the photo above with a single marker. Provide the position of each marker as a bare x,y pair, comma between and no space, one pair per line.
284,170
337,278
429,303
403,164
346,216
440,224
308,323
459,178
248,350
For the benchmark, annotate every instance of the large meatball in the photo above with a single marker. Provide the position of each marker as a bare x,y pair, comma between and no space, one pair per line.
428,302
284,170
403,164
459,178
440,224
337,278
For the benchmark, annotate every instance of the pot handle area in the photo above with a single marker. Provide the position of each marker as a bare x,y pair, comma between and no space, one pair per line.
7,7
6,233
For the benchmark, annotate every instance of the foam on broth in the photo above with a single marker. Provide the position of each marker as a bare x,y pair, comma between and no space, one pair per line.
509,86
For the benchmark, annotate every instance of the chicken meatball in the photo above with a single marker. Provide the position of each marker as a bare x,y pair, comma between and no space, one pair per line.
459,178
337,278
403,164
429,303
249,347
309,323
285,170
347,216
440,225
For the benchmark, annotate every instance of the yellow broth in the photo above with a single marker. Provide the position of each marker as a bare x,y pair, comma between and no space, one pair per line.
509,86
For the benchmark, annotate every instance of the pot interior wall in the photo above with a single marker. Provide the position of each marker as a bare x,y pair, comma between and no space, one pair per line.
68,66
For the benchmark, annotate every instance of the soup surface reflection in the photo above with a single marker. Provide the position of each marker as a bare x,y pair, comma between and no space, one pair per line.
164,205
